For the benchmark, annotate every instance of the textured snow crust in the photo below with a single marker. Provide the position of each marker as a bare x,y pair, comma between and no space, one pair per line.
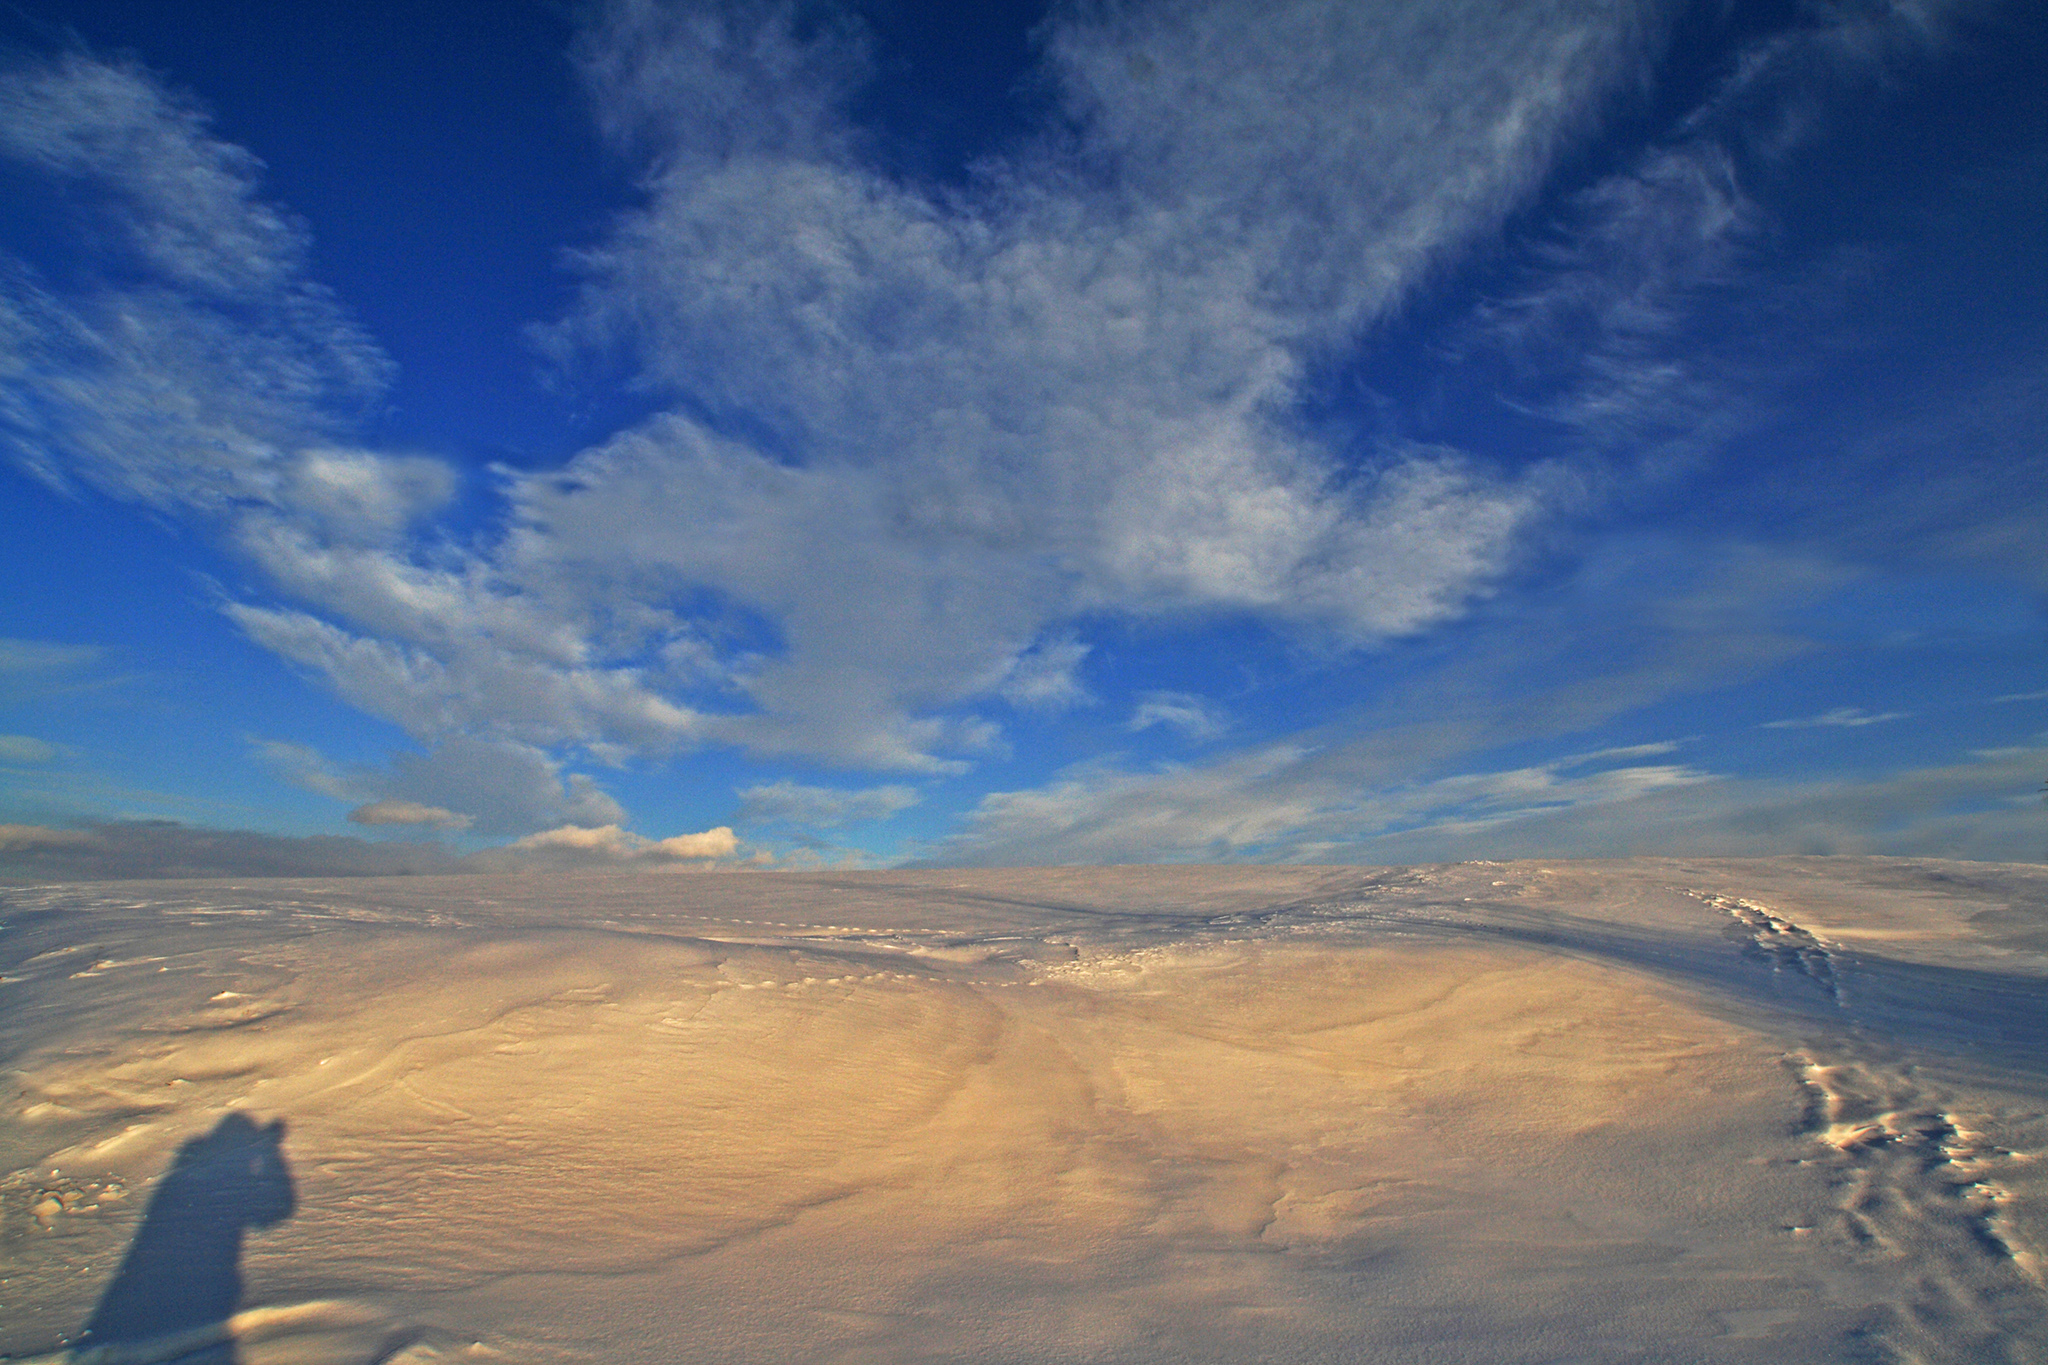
1651,1109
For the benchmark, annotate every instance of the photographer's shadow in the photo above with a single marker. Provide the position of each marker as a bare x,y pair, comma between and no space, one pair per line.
183,1272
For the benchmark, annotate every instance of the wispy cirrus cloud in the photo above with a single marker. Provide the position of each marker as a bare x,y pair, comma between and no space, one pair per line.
1842,717
26,749
41,656
1285,803
1630,319
1278,803
974,415
30,669
811,807
912,443
184,368
1197,717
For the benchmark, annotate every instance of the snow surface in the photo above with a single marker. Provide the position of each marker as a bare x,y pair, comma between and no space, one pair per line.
1651,1109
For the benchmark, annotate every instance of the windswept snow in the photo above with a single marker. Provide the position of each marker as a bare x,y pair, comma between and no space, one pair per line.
1761,1110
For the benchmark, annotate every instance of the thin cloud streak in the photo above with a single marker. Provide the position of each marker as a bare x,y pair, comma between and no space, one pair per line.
1275,806
1842,717
128,850
811,807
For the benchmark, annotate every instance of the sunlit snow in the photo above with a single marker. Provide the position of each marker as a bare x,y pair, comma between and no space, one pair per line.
1653,1109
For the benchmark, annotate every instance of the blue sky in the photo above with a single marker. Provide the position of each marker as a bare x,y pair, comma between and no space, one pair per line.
664,435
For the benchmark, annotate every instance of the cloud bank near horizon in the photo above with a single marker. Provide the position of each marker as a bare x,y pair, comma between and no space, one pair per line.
124,850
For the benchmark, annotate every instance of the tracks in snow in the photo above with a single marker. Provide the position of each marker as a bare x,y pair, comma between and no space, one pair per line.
1920,1186
1773,939
1926,1192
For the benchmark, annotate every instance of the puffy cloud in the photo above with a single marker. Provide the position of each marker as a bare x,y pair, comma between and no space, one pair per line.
576,846
393,812
712,843
355,497
25,749
822,807
463,678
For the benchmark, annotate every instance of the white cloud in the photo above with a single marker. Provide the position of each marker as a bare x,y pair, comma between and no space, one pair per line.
197,220
1662,746
574,846
162,848
494,787
712,843
609,840
1985,807
986,415
304,766
186,388
353,497
394,812
464,679
502,786
1287,803
1600,334
1066,391
1043,677
25,749
822,807
1841,716
975,418
1198,716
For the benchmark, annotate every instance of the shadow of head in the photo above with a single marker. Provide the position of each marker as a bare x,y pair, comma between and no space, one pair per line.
184,1268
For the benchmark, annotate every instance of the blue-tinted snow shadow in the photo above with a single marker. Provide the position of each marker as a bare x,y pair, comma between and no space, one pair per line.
184,1269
